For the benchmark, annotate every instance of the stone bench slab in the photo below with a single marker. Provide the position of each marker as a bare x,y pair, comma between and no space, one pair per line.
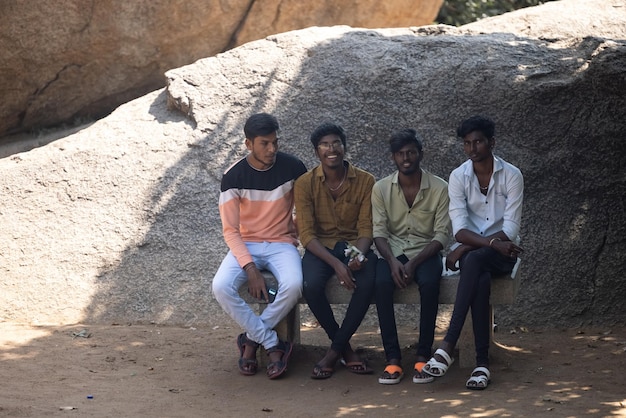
503,291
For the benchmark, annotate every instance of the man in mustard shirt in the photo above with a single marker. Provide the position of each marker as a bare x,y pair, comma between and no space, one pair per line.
334,213
411,228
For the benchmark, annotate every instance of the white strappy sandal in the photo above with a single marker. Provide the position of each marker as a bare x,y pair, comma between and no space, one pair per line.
437,368
479,382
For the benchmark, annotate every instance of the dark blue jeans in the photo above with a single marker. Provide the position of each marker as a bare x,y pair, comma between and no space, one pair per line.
427,276
315,274
473,292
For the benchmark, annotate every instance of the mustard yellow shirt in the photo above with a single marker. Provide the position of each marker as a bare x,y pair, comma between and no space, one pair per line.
347,218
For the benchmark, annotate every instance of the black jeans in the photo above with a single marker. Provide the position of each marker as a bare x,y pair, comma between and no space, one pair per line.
473,292
427,276
315,274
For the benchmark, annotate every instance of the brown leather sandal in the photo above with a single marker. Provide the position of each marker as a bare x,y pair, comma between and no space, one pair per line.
247,367
278,368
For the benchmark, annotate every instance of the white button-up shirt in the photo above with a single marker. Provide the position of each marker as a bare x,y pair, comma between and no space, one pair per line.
499,210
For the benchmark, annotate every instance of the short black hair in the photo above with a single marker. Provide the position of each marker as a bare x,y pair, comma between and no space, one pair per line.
328,128
260,124
477,123
404,137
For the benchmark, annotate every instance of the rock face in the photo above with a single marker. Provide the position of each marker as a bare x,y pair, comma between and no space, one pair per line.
119,221
84,59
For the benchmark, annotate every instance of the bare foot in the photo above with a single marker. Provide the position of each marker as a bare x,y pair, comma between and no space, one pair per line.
329,360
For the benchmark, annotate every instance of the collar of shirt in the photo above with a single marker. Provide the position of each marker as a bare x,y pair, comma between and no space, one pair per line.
469,167
319,171
424,182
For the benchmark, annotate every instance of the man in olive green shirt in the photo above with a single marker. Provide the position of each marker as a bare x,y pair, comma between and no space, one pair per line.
334,214
411,227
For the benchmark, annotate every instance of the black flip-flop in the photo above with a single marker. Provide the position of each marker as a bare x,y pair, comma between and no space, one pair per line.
320,372
358,367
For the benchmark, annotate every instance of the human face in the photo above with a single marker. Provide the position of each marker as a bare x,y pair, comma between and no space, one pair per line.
263,151
407,159
330,151
477,146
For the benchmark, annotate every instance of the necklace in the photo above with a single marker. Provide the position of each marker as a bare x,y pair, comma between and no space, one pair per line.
345,174
487,186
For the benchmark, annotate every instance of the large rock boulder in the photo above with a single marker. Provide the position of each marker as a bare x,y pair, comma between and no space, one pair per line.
119,221
80,60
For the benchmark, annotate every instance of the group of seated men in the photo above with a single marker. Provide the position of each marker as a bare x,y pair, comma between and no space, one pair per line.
340,211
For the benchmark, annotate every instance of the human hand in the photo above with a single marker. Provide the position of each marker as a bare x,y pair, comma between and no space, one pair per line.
356,258
356,264
256,283
344,275
399,274
453,257
506,248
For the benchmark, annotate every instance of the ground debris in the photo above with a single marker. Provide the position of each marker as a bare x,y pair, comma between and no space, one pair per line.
83,333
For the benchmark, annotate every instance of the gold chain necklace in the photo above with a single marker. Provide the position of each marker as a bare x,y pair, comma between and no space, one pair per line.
345,175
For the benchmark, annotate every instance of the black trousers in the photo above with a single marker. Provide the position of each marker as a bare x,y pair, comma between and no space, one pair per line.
427,276
315,274
474,290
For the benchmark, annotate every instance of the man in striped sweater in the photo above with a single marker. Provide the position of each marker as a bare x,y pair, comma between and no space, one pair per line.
256,207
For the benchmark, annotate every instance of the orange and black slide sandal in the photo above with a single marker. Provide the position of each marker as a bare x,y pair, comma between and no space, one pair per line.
392,375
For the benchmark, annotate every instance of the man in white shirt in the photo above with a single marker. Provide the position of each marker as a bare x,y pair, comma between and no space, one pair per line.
486,195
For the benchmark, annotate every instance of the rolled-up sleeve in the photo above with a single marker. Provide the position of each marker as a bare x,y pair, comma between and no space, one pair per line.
379,214
513,211
442,219
458,202
364,224
305,210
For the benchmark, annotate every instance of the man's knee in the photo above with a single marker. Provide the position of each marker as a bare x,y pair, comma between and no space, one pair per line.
221,289
293,289
477,257
313,284
429,282
366,282
384,284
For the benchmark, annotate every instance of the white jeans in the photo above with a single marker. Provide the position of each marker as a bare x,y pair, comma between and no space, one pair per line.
283,260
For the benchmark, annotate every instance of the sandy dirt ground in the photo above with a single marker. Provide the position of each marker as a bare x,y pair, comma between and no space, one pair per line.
155,371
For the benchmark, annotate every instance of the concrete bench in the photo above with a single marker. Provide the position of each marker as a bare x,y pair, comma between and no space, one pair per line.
503,291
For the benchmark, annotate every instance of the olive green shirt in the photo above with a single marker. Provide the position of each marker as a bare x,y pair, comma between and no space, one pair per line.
409,229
